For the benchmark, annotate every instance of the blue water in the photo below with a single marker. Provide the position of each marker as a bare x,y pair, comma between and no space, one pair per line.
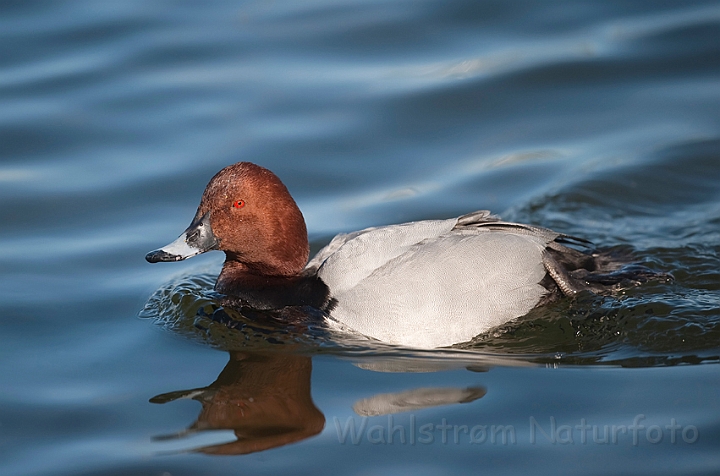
595,118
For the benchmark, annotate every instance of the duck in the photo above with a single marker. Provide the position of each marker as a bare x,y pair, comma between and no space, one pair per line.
421,284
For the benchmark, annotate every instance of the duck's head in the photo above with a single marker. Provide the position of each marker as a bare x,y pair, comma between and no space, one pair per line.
247,212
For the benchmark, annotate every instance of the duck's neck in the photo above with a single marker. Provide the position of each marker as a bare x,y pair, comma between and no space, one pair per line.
246,286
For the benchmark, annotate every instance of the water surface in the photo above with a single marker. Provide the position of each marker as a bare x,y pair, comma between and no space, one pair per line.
597,119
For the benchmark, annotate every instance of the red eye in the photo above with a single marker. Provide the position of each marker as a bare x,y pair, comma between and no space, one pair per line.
239,204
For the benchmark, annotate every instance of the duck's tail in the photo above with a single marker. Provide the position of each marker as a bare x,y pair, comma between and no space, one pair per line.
571,270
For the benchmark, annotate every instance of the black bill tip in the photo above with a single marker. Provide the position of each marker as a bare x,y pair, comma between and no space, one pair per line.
161,255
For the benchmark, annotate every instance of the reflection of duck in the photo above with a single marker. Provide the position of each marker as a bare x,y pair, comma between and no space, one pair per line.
264,398
425,284
415,399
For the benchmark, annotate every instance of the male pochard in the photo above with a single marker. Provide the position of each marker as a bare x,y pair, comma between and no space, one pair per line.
424,284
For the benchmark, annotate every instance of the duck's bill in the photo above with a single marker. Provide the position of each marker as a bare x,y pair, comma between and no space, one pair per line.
197,239
178,250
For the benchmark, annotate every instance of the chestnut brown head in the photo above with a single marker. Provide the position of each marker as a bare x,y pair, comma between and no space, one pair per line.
247,212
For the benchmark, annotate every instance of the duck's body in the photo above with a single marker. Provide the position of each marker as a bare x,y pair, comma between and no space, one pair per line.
431,283
423,284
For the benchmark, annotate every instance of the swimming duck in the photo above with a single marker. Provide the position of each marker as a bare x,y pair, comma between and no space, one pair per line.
427,284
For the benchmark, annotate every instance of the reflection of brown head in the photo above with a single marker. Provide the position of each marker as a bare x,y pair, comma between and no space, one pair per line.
264,398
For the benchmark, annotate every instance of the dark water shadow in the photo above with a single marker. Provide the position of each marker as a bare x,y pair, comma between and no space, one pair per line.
635,327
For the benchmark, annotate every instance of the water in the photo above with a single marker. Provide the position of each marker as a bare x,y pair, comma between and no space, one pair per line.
598,119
